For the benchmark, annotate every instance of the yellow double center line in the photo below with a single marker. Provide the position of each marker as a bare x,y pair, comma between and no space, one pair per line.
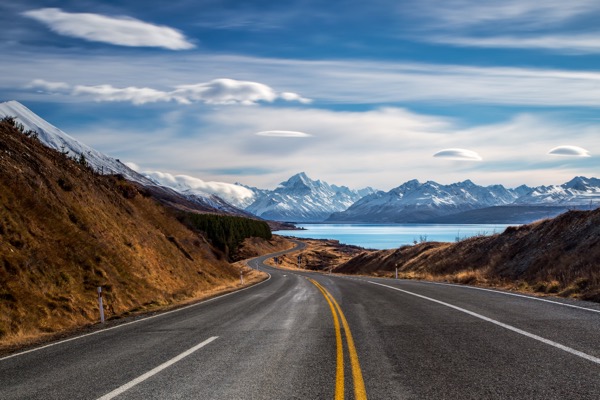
359,384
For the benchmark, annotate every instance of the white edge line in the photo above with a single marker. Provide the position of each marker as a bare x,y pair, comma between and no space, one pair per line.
134,322
511,294
501,324
155,371
150,317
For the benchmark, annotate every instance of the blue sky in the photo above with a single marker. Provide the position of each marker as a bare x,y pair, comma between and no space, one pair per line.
353,93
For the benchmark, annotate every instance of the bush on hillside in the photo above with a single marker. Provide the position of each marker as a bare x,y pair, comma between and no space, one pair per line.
227,232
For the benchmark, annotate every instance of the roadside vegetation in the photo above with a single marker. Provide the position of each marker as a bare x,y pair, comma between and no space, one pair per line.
559,256
227,232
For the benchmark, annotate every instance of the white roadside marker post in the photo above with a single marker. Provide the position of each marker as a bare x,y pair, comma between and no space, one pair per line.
396,272
242,276
101,304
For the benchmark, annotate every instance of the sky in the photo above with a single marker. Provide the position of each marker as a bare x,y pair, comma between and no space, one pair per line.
353,93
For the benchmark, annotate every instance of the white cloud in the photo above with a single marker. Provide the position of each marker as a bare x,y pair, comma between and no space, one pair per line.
569,151
121,31
287,134
234,194
458,154
133,166
289,96
570,44
134,95
226,91
217,91
46,86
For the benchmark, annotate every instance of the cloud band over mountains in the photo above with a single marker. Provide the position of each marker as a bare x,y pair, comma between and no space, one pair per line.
216,91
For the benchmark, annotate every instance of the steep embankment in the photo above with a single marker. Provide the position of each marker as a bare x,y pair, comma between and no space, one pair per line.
65,230
560,255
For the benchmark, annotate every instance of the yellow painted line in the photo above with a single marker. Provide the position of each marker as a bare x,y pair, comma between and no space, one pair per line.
339,369
360,392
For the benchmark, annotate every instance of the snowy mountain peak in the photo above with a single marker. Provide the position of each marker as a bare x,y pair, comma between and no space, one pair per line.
299,182
582,183
302,199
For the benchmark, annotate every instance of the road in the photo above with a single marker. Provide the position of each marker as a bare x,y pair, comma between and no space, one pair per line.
302,335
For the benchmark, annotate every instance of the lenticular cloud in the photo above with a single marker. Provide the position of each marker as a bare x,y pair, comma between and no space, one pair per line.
283,134
458,154
569,151
120,31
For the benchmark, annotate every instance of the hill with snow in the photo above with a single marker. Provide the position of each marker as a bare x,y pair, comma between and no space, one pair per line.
53,137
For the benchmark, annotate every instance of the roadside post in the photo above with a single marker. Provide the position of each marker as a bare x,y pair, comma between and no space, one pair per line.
396,272
100,303
242,276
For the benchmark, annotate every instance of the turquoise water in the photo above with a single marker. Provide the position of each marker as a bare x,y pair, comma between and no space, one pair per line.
392,236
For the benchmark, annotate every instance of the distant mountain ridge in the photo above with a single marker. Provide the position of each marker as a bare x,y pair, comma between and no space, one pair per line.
432,202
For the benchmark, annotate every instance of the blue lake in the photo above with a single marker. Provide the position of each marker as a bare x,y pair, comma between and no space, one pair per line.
392,236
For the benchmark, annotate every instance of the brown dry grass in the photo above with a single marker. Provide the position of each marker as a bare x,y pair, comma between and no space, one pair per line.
64,231
319,255
560,256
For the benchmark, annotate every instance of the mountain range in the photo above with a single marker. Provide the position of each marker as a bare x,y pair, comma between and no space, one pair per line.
301,199
466,202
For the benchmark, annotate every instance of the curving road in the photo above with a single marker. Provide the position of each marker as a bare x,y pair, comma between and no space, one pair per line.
303,335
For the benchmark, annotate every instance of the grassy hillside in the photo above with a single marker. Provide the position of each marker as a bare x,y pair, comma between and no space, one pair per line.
559,256
64,231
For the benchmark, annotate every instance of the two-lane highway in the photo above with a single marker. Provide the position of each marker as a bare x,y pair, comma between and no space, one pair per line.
303,335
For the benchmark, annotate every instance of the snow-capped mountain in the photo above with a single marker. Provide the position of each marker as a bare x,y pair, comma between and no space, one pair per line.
414,201
579,191
302,199
55,138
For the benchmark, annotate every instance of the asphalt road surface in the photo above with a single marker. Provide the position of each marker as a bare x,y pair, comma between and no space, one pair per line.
305,335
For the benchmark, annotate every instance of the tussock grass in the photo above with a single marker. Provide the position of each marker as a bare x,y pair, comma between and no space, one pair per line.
559,256
65,230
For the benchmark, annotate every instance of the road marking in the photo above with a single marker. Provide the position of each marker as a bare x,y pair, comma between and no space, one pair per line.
339,370
360,393
156,315
155,371
143,319
501,324
514,294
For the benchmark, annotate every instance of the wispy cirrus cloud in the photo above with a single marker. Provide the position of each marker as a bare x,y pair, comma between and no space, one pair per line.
216,91
520,13
372,82
569,44
120,31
